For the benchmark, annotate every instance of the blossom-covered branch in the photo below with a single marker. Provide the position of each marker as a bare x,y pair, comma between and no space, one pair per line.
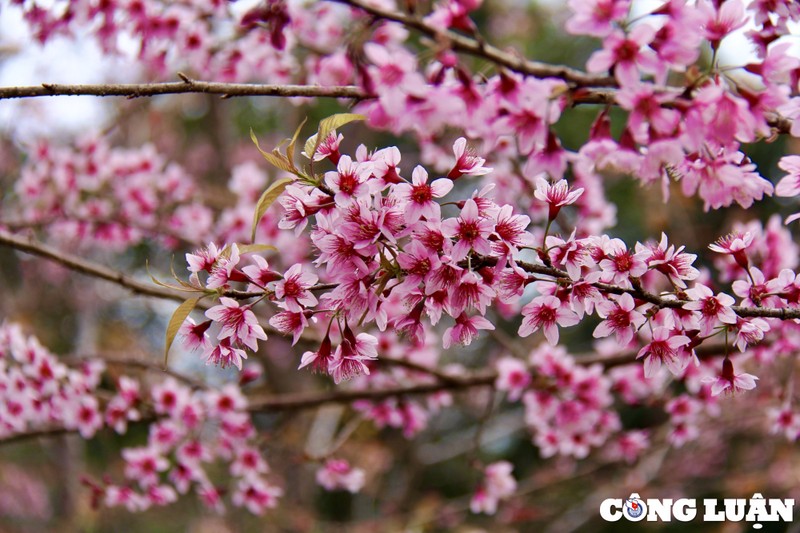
481,49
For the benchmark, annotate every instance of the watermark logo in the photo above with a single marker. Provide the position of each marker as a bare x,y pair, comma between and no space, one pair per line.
755,510
634,508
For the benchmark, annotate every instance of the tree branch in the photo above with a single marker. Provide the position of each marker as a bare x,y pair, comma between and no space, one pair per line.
641,294
89,268
226,90
143,364
289,402
486,51
589,89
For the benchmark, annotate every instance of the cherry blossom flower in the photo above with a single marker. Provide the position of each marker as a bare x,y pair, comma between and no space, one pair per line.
735,244
498,484
646,111
143,465
349,359
470,292
664,348
338,474
349,181
194,335
596,17
621,319
471,231
239,324
620,264
750,331
225,270
513,377
321,359
546,312
289,322
720,20
556,195
203,259
713,309
465,330
419,195
260,274
729,382
293,289
328,148
674,263
784,420
627,54
789,185
256,494
467,162
225,354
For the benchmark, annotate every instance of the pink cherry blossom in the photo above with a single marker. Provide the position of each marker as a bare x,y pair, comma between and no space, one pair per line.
665,347
627,54
338,474
467,162
513,377
735,244
239,324
419,195
596,17
729,382
293,289
556,195
465,330
547,313
621,319
470,230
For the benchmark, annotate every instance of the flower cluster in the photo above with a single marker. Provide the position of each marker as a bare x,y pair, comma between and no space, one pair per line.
193,433
93,194
37,391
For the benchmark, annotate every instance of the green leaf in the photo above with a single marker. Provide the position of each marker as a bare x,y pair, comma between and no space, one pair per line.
256,248
293,142
275,158
266,200
326,127
310,147
178,317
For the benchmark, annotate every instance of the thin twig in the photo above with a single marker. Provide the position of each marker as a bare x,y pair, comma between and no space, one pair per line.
144,364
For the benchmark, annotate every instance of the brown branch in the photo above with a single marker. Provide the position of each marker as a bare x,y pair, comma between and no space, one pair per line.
422,369
289,402
641,294
88,268
226,90
143,364
484,50
589,89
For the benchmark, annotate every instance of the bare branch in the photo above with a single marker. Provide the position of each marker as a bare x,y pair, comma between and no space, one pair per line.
227,90
89,268
143,364
289,402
